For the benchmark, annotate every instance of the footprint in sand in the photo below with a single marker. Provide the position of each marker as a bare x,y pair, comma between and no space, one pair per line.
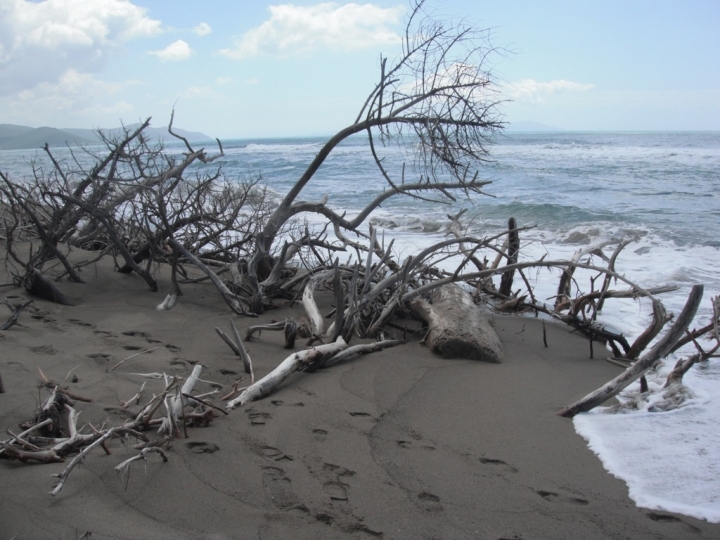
131,347
104,333
361,415
362,528
665,518
257,418
81,323
319,434
336,490
44,349
200,447
408,445
279,488
499,463
43,318
555,497
275,454
136,333
101,358
338,470
279,402
430,502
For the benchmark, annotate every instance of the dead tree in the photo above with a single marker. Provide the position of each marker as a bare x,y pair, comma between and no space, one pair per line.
438,99
132,202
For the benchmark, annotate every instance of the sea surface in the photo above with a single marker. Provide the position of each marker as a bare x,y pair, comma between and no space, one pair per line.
661,191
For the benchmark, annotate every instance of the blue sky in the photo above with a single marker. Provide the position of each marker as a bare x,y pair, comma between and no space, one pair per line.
246,68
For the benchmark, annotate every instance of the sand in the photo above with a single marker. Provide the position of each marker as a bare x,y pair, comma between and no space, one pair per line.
397,444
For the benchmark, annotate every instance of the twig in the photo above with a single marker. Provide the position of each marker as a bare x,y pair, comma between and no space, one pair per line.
134,355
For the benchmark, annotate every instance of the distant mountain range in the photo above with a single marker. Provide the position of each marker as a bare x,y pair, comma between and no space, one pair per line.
13,137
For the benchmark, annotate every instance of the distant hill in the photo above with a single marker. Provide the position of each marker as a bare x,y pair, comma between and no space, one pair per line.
530,126
14,137
153,133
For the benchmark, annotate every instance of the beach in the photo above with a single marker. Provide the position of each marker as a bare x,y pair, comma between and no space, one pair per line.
395,444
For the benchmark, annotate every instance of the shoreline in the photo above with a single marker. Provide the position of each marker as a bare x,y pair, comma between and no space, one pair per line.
395,444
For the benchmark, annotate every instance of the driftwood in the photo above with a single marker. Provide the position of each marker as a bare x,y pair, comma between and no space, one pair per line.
288,326
657,353
56,445
287,367
232,300
16,311
237,347
458,328
38,285
512,256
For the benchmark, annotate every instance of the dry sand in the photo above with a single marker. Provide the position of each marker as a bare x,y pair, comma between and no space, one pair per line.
397,444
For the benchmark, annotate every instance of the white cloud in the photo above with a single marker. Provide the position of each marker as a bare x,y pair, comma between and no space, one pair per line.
178,50
535,91
298,29
202,29
223,80
75,95
200,91
39,41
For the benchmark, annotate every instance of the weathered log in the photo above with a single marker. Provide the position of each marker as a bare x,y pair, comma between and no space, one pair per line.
287,367
661,349
458,328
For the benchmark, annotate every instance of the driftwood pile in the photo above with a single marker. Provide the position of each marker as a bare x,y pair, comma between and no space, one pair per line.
146,207
369,298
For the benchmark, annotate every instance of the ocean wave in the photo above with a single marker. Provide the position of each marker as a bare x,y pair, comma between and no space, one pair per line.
408,224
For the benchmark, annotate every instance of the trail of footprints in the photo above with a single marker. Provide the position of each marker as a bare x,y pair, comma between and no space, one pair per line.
101,357
277,483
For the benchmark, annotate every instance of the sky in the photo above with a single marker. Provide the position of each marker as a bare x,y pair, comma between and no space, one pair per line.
252,68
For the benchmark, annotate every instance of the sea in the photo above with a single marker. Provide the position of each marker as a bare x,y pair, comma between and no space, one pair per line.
568,191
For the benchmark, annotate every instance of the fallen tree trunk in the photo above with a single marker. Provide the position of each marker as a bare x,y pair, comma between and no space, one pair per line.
661,349
458,328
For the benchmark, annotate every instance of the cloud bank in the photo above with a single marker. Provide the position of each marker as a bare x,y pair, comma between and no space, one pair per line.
536,92
293,30
39,42
77,94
